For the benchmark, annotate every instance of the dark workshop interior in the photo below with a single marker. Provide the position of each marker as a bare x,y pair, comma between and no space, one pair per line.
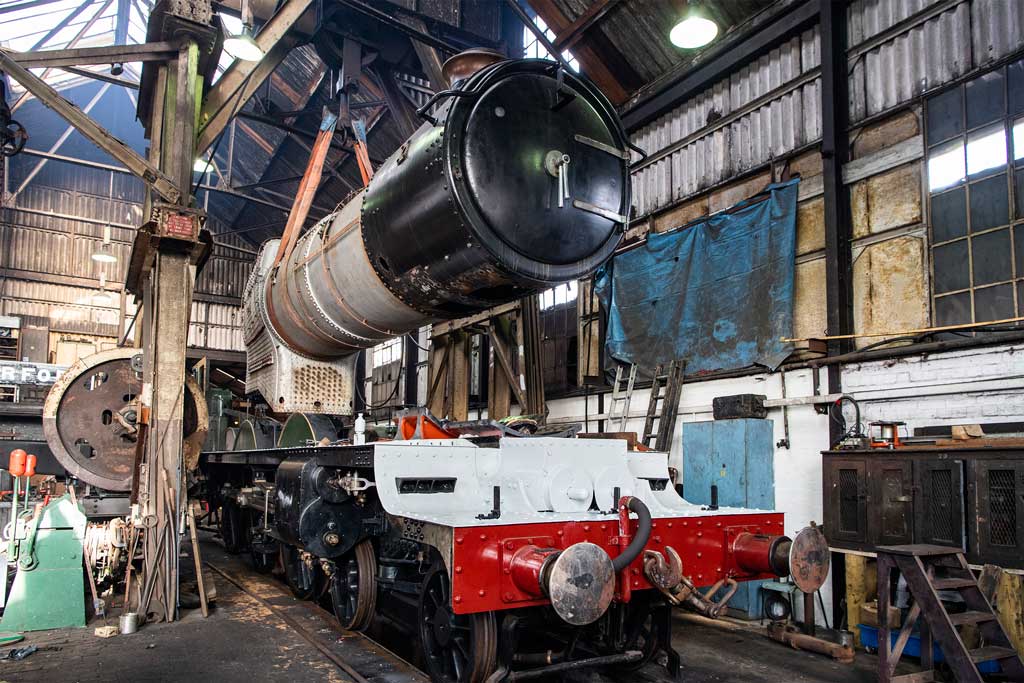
482,341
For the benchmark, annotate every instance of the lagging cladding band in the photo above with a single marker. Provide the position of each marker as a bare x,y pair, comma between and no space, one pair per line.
465,216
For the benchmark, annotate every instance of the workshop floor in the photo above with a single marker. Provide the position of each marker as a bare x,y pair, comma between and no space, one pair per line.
264,634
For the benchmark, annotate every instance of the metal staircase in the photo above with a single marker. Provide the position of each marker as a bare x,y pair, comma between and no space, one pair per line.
928,569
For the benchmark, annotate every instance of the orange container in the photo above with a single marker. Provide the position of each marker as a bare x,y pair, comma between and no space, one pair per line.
30,465
16,463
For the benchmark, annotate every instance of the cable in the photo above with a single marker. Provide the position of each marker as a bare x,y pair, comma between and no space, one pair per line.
387,401
855,431
414,343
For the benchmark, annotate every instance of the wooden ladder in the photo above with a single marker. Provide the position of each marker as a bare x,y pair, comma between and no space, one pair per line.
666,387
622,395
928,569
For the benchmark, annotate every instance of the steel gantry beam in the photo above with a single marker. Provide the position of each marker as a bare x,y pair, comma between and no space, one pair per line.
94,132
81,56
242,79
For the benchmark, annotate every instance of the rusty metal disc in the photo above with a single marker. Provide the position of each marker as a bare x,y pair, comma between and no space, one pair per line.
90,417
581,583
809,559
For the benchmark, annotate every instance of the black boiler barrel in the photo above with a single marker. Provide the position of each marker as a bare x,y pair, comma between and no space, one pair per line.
520,183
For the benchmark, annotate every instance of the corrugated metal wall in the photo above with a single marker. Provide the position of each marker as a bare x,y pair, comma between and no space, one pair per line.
50,230
772,107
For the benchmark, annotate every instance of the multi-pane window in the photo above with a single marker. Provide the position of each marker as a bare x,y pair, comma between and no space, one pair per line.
533,49
556,296
975,135
387,352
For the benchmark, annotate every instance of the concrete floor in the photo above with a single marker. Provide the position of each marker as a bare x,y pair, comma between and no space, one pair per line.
246,639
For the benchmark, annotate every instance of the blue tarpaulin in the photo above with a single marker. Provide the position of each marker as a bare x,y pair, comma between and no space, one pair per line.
717,294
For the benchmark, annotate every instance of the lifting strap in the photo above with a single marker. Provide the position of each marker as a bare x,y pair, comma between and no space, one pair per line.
307,188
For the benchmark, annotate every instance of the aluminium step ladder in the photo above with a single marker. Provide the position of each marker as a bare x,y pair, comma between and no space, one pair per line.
622,396
666,387
928,569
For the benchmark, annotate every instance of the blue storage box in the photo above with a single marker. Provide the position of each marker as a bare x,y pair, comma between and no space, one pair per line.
869,638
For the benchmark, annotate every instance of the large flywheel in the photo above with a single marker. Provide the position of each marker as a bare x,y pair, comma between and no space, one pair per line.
91,418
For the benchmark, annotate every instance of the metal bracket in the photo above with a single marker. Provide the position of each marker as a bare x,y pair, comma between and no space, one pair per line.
596,144
604,213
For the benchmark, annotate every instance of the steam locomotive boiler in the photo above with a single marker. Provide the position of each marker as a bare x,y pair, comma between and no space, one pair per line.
514,554
516,183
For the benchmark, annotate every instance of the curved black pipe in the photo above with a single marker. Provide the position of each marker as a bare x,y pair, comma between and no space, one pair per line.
643,534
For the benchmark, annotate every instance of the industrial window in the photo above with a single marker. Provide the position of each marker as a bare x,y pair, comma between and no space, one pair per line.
975,135
556,296
387,352
533,48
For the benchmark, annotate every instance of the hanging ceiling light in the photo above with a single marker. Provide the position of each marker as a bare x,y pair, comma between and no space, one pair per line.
239,42
201,165
104,253
695,29
102,297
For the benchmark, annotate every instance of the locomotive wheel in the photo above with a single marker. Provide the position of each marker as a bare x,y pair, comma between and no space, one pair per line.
354,587
264,551
234,527
458,648
304,581
641,633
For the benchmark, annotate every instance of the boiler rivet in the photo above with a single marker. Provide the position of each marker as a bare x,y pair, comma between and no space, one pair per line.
458,539
586,527
458,570
458,598
483,537
509,597
482,593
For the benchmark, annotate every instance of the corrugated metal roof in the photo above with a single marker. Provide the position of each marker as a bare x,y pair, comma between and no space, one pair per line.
637,32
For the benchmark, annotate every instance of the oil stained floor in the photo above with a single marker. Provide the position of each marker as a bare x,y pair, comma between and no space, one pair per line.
246,639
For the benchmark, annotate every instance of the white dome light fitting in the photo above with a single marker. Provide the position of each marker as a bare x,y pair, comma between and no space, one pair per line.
104,253
694,30
239,43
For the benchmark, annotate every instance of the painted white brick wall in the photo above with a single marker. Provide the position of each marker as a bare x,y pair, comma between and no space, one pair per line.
961,387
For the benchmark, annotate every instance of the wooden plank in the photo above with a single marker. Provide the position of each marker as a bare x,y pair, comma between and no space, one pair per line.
458,388
593,63
200,583
438,364
565,40
82,56
430,57
498,348
499,390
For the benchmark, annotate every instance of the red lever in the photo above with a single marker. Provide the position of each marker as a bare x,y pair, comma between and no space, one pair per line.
16,463
30,465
